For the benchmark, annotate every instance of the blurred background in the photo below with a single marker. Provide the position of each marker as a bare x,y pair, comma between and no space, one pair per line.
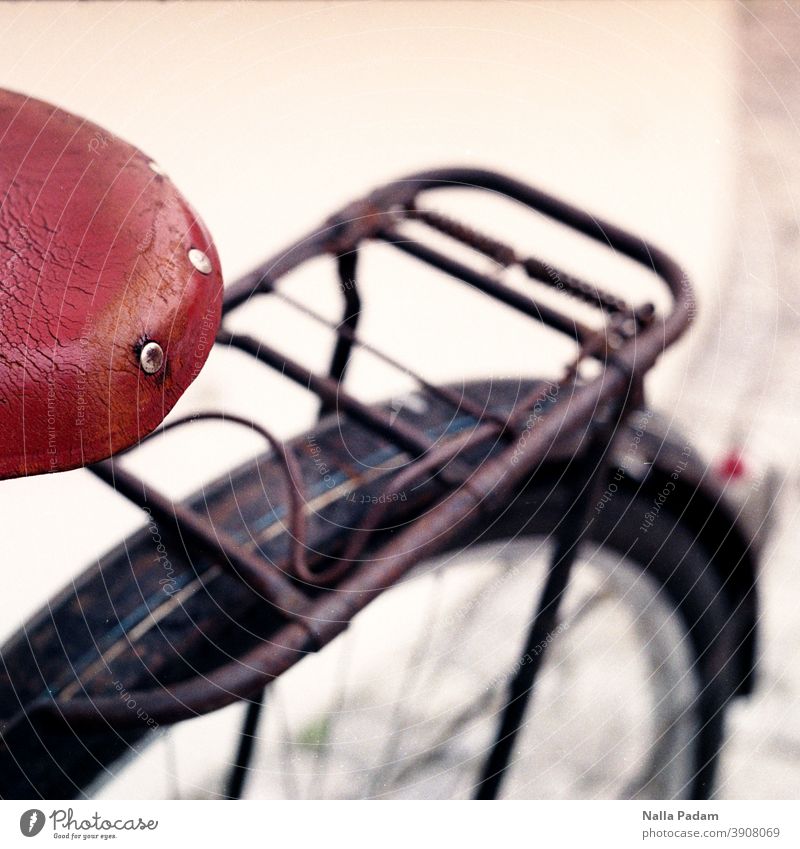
677,120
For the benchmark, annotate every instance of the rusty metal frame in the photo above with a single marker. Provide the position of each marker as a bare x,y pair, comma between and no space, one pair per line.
629,344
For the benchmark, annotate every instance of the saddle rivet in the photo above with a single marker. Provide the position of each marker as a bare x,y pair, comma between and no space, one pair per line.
200,261
155,168
151,358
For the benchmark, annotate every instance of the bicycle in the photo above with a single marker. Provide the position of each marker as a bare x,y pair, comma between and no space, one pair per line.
218,597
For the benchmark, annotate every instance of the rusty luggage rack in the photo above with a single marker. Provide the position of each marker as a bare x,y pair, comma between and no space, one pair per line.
626,346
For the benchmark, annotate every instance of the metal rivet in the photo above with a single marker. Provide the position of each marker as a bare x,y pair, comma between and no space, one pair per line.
155,168
200,261
151,358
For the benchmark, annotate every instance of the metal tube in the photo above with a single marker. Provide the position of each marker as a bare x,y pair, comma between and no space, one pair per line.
399,433
261,576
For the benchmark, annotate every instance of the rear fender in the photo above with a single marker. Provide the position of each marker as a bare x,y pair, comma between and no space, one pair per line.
682,487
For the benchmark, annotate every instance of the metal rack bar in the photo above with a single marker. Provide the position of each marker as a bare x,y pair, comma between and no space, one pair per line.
536,269
197,534
399,433
315,620
346,266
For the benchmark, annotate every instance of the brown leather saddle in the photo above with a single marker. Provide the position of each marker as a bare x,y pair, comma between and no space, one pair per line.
110,291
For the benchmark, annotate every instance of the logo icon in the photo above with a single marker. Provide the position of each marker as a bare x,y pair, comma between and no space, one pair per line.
31,822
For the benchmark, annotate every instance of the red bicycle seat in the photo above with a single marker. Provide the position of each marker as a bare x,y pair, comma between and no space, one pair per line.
110,291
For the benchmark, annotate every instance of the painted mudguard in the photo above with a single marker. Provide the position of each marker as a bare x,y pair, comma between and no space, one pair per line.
100,255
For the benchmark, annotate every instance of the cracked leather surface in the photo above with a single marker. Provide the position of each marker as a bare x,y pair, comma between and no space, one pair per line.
93,264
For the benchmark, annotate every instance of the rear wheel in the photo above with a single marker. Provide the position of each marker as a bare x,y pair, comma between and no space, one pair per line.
629,704
631,700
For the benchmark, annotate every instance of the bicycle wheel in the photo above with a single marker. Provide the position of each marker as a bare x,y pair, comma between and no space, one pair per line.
405,704
120,627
